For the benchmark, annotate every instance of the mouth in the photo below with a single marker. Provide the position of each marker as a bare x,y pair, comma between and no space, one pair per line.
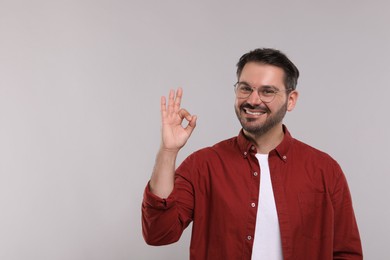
254,112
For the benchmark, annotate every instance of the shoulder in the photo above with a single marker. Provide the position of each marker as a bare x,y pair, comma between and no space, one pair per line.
315,159
306,150
225,146
321,171
213,154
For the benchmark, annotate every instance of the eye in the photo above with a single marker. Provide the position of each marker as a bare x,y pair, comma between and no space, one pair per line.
268,92
244,88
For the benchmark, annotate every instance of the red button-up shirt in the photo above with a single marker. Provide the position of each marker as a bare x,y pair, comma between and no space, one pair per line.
216,187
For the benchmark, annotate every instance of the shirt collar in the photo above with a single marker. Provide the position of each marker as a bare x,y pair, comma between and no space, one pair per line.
281,150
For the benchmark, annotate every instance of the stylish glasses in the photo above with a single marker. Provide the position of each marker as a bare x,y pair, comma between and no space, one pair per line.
266,93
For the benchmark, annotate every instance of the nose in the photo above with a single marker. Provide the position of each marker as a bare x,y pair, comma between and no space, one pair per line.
254,98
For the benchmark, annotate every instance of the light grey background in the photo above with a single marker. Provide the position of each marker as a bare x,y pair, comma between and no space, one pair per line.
80,86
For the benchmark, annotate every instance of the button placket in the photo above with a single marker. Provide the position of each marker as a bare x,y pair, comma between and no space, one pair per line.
249,155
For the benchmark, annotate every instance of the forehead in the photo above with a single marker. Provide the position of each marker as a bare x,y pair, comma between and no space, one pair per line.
259,74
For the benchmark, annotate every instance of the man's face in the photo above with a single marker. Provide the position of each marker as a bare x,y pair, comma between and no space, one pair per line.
255,116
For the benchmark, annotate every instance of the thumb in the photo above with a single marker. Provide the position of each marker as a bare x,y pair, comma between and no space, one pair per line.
191,124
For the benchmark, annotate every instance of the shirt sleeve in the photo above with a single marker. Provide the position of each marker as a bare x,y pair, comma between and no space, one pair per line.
164,220
347,244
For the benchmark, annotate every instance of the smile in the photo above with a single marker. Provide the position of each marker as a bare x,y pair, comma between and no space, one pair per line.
254,113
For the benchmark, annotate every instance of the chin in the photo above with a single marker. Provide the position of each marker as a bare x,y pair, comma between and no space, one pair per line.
260,129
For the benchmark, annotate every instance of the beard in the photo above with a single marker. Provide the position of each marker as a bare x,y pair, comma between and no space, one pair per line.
260,128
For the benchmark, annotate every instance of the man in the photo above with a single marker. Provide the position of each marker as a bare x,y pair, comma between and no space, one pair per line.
260,195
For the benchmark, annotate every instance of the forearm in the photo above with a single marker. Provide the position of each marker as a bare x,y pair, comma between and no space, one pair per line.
160,220
164,219
162,181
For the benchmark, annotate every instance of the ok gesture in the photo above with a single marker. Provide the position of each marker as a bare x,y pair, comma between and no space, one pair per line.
174,134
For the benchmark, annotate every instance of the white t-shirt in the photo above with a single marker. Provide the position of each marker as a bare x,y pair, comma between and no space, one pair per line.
267,243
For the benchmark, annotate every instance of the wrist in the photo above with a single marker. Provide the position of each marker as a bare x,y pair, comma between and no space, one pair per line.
172,151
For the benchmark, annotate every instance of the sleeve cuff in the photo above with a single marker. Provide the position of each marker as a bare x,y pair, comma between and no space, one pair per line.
153,201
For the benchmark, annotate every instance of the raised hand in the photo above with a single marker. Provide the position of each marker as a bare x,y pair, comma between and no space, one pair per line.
174,134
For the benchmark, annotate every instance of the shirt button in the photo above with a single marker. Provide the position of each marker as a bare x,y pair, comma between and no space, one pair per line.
284,157
249,237
255,174
253,148
253,204
245,153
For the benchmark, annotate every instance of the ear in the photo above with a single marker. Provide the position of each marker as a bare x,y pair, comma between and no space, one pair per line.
292,100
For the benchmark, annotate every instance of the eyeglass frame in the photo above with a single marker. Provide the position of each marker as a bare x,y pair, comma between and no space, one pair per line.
258,91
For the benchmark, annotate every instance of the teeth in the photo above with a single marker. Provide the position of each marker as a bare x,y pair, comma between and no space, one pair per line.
253,113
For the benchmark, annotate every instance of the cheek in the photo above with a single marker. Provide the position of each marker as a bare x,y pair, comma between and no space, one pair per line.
237,103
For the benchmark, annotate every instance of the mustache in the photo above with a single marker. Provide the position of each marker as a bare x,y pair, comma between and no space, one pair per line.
249,106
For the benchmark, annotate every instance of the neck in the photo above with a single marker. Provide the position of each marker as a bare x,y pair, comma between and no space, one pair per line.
268,141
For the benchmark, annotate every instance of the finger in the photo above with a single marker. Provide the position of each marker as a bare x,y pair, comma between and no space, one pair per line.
191,125
163,103
179,94
163,107
171,100
183,113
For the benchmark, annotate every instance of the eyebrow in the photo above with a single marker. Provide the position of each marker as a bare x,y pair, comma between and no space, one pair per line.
263,86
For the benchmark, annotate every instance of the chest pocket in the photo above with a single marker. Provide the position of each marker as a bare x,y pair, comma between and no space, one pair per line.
316,215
